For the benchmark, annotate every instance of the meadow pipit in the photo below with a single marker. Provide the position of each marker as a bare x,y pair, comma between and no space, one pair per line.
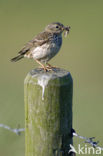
44,46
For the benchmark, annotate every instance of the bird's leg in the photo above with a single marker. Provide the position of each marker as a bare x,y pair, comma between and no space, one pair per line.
50,66
45,68
41,64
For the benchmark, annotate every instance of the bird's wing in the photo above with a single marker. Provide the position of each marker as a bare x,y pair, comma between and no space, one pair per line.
38,40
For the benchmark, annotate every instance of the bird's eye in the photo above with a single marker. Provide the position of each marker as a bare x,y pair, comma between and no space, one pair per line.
57,27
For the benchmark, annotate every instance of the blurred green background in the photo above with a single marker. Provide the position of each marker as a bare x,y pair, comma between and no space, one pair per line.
81,54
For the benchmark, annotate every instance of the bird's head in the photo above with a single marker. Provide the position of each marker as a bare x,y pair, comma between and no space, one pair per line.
57,27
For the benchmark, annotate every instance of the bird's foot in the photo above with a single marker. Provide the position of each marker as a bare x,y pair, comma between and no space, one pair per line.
43,67
46,69
50,66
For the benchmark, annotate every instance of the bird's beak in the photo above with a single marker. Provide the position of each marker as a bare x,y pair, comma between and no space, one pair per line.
66,30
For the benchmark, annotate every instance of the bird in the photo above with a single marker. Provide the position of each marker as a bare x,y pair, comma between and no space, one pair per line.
44,46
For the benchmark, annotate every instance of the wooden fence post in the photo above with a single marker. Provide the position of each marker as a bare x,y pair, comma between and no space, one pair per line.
48,112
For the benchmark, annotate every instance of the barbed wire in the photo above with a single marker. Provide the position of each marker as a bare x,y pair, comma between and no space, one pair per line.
14,130
87,140
73,132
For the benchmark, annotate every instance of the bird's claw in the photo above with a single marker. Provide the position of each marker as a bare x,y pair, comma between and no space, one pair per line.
50,66
46,69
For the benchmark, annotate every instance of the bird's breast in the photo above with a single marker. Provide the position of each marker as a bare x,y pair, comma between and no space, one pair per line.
48,50
57,40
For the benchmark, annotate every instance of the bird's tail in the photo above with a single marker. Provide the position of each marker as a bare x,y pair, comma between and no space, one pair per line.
17,58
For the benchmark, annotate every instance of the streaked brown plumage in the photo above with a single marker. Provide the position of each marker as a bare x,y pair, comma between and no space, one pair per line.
44,46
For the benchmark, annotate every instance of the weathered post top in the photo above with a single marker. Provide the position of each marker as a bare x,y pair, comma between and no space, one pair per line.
42,78
48,112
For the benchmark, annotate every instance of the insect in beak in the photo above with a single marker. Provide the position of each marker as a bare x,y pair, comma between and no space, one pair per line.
66,30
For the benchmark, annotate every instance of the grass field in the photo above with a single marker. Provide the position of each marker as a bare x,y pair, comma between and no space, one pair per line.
81,54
